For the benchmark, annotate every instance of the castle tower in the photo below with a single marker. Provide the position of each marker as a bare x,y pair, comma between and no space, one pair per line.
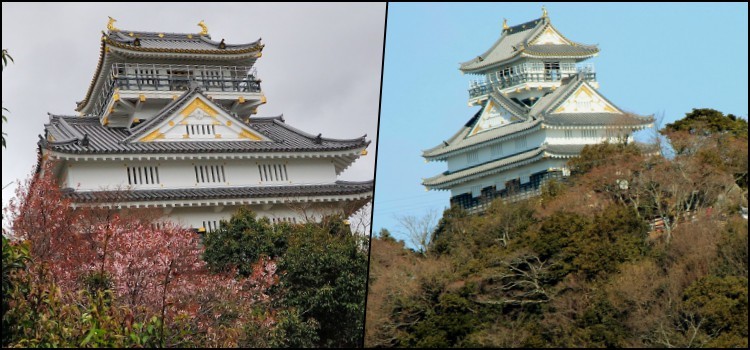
167,123
539,107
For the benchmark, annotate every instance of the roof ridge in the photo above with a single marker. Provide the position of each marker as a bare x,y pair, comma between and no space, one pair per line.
320,135
267,119
534,23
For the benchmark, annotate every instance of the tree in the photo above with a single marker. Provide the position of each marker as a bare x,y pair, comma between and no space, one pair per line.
322,274
420,231
156,272
708,121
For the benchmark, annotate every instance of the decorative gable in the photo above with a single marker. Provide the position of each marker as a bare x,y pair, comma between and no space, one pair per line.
550,37
199,120
586,100
492,117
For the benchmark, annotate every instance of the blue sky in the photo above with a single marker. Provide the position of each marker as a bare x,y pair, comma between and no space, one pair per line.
662,59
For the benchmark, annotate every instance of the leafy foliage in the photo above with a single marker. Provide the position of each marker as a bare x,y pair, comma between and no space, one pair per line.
707,120
323,271
94,277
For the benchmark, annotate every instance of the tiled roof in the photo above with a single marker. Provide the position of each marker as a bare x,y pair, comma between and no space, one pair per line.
337,188
596,119
539,113
515,40
548,102
461,141
491,167
499,165
174,42
86,135
560,50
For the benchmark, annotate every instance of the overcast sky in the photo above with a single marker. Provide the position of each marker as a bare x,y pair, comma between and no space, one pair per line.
320,67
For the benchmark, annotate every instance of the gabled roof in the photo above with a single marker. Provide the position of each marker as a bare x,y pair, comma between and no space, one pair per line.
338,188
173,107
515,41
541,113
546,106
460,141
86,135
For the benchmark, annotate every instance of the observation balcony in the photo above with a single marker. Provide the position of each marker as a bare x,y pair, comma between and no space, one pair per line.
150,78
499,82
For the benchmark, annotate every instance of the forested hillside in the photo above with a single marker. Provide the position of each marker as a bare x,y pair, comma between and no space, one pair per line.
636,249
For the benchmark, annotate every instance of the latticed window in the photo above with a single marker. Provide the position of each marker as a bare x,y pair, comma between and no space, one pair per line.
274,172
521,143
210,174
590,134
472,157
497,150
143,175
200,130
211,225
289,220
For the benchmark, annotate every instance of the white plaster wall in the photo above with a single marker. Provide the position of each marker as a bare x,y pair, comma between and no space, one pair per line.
195,216
89,176
459,161
557,137
522,172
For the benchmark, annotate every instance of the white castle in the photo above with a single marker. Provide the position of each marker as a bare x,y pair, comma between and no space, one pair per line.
167,123
539,107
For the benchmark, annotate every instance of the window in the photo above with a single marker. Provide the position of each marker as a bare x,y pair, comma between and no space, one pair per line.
200,130
146,76
568,67
521,143
288,220
273,172
533,67
497,150
472,157
476,191
613,134
590,134
143,175
583,105
210,174
568,134
555,65
211,225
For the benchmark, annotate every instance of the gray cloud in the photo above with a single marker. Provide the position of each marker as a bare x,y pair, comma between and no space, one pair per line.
321,65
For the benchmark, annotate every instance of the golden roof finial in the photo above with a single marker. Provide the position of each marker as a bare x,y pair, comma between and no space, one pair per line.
111,25
544,12
204,28
505,23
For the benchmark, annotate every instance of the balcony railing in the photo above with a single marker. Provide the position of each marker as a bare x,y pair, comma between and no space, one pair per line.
485,87
166,77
